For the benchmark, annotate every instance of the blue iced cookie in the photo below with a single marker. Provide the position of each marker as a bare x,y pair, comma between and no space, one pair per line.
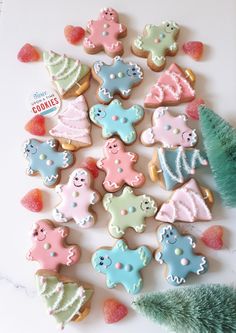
115,120
44,158
118,78
176,251
122,265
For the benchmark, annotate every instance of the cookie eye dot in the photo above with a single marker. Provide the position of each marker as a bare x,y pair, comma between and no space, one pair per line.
171,233
42,230
101,258
167,236
168,25
110,147
115,145
31,146
82,180
101,263
76,178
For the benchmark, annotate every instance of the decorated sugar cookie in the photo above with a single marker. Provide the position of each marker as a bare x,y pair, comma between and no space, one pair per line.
115,120
176,252
117,78
73,128
169,130
45,159
173,87
128,211
70,76
188,203
171,167
104,34
66,300
77,197
156,43
118,165
122,265
50,248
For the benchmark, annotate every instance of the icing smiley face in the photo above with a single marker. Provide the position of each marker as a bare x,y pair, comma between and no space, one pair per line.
102,261
109,14
31,147
113,146
99,113
39,232
176,252
171,27
80,178
148,206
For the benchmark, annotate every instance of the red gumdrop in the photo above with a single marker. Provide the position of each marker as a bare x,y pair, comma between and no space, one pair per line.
36,125
91,165
114,311
192,108
212,237
193,49
28,53
74,34
33,200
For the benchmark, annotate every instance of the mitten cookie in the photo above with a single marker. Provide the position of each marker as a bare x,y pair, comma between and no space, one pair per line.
77,197
169,130
157,42
73,128
50,248
45,159
104,34
122,265
128,211
176,252
118,78
119,167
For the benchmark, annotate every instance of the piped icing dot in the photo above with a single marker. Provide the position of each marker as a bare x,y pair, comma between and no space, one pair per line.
75,194
42,157
123,212
46,246
117,161
119,170
112,76
124,120
53,254
167,127
156,40
118,265
128,267
120,75
115,118
178,251
192,171
106,25
184,261
74,204
162,35
131,209
176,130
49,162
105,33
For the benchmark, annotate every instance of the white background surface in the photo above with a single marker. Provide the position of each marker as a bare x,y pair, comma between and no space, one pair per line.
41,23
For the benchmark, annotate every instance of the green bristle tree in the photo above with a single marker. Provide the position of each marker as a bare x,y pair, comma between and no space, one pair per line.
198,309
220,144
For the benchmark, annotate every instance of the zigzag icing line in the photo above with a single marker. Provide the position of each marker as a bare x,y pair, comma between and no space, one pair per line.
70,255
175,279
201,269
117,229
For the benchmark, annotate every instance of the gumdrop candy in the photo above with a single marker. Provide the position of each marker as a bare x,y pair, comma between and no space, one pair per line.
74,34
33,200
212,237
192,108
91,165
114,311
28,53
36,125
193,49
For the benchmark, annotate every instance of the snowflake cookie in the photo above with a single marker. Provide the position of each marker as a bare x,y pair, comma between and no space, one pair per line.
104,34
77,197
122,265
176,252
128,211
45,159
118,78
156,43
115,120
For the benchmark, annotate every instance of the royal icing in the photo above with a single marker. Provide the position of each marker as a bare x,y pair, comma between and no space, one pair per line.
156,43
115,120
64,299
104,33
176,165
119,167
65,72
176,251
171,88
128,211
118,78
122,265
43,158
171,131
186,204
77,197
50,248
73,124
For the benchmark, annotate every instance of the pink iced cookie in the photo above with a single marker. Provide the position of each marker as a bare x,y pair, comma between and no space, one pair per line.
173,87
50,248
77,197
104,34
119,167
188,203
170,130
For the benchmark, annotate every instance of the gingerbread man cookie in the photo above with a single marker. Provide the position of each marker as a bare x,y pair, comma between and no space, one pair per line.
104,34
115,120
170,130
118,78
128,211
156,43
122,265
118,165
45,159
77,197
50,248
176,251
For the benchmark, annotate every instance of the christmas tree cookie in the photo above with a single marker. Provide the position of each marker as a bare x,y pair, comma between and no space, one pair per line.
70,77
73,128
220,144
66,299
171,167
